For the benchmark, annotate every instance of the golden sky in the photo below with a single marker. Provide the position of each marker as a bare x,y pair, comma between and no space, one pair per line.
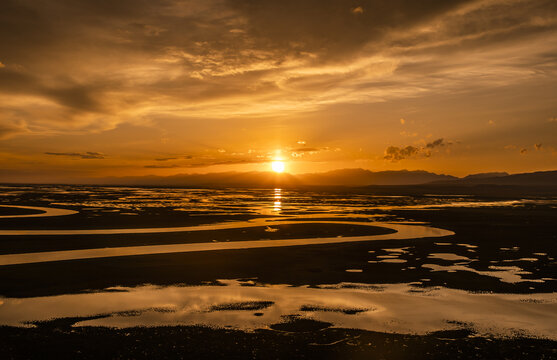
93,88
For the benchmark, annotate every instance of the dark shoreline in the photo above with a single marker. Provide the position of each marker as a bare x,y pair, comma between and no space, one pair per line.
484,190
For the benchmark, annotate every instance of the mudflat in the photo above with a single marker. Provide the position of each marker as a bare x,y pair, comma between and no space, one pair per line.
307,301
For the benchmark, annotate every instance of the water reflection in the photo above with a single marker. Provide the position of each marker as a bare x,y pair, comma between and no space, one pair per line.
402,231
277,203
398,308
407,308
202,202
44,211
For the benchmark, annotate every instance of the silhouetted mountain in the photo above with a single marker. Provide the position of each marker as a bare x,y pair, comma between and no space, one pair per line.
344,177
361,177
540,178
486,175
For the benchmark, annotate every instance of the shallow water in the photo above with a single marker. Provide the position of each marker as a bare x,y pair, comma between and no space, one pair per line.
405,307
402,232
396,308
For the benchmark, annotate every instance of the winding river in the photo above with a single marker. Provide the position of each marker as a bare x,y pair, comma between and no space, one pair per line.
402,231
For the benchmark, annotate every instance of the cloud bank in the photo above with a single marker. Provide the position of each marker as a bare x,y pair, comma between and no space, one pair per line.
91,65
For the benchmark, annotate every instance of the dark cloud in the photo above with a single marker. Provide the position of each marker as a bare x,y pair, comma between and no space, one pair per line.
436,143
306,149
538,146
174,158
66,93
112,58
200,161
332,28
395,153
86,155
162,166
213,162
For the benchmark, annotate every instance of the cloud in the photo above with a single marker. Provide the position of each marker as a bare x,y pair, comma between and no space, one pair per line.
523,151
538,147
395,153
303,151
9,129
436,143
86,155
161,166
174,158
105,65
213,158
306,149
66,93
203,162
88,65
213,162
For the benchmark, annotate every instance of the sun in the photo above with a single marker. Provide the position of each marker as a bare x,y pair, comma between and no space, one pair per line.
277,166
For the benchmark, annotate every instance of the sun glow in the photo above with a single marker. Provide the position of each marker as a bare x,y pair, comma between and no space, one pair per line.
277,166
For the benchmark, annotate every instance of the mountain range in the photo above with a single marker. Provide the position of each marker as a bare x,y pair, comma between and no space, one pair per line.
343,177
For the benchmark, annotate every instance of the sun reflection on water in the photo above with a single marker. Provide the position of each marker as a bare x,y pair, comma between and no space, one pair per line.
277,204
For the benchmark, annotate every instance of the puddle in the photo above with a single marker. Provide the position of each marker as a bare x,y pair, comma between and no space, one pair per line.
448,257
394,308
508,274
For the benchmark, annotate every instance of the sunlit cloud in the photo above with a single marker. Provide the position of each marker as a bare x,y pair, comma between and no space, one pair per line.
11,128
212,72
152,64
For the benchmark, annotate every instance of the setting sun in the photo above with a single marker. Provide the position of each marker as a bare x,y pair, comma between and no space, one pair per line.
277,166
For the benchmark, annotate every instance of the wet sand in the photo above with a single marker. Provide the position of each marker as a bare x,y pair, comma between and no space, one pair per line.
503,251
489,229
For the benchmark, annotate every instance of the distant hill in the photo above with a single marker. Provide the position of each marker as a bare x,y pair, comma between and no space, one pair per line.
344,177
485,175
361,177
540,178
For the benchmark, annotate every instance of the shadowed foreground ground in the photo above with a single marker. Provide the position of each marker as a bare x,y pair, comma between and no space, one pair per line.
305,341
